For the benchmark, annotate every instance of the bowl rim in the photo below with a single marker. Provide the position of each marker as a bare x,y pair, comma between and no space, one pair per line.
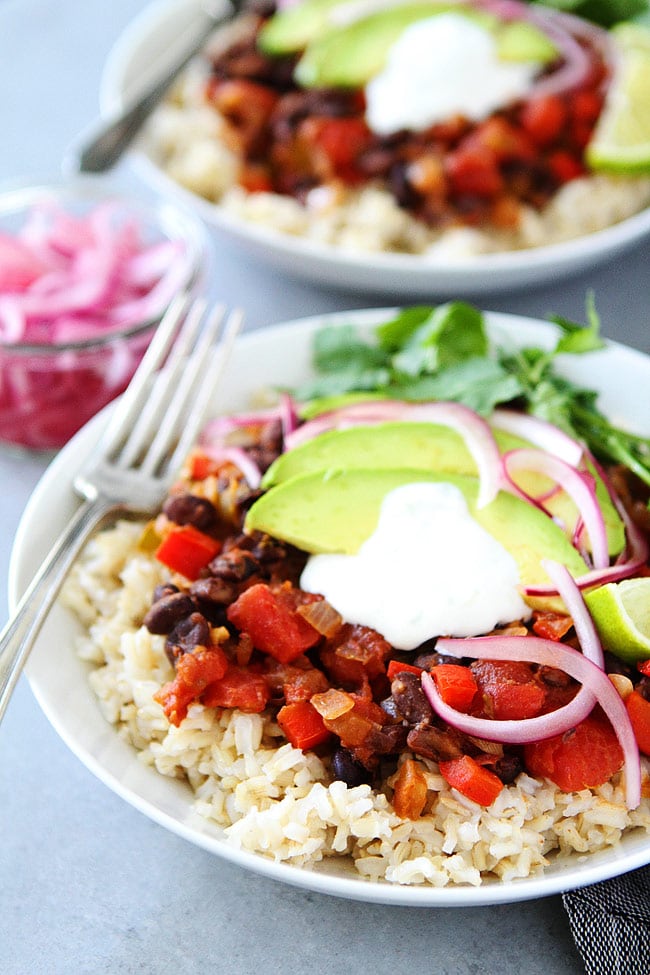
181,223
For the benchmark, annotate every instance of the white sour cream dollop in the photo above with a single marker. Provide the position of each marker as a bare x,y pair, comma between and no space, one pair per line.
428,569
443,66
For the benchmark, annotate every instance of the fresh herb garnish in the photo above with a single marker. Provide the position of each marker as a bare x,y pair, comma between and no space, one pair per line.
603,12
445,353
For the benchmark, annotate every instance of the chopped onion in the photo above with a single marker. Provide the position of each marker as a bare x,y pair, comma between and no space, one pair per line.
577,485
322,616
548,653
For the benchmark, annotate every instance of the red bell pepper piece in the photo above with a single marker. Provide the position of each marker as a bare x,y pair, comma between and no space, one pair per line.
638,710
187,550
456,685
583,758
272,622
471,779
302,725
395,667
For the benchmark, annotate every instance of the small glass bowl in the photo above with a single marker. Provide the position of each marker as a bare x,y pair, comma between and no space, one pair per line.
49,391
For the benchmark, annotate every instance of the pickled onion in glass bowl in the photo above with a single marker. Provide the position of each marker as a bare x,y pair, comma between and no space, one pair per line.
85,274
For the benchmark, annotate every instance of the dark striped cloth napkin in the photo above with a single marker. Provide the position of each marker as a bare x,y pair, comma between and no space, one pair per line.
610,923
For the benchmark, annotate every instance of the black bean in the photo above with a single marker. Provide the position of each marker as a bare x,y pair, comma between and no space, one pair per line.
409,698
440,745
192,632
346,768
214,591
164,589
235,565
188,509
508,768
168,610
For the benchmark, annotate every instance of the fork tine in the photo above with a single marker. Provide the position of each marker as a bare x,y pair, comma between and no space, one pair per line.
213,366
130,403
186,378
161,390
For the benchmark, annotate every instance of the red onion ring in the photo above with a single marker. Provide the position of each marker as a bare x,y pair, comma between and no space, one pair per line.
577,487
238,457
582,622
473,429
510,731
539,433
546,652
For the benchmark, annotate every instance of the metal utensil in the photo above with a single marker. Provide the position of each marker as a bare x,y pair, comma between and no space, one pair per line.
136,459
103,144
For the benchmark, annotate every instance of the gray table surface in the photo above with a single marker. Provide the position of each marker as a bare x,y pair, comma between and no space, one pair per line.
88,885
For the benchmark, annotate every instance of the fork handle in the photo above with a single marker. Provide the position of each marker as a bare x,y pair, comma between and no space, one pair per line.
19,635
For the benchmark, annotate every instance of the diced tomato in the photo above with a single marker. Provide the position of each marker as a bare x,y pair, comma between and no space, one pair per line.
551,626
247,106
644,667
565,166
456,685
255,178
410,790
586,106
238,688
474,172
194,673
357,654
340,141
271,622
396,667
500,140
302,725
543,118
638,710
187,550
583,758
471,779
303,685
509,689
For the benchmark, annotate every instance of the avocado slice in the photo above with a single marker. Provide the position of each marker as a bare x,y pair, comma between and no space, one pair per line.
336,511
293,28
429,447
350,56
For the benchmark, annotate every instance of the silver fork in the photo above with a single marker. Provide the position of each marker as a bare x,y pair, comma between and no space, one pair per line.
136,459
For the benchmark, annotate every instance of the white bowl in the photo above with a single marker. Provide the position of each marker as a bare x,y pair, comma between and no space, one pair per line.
279,355
151,37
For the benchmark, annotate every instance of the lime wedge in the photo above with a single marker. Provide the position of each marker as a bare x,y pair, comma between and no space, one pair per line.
621,141
621,613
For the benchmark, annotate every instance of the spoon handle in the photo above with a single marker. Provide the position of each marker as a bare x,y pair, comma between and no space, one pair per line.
101,146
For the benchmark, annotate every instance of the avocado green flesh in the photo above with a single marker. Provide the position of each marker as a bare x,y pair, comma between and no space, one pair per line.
350,56
336,511
428,447
292,29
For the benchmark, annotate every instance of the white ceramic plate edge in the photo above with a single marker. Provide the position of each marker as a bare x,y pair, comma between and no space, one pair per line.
58,682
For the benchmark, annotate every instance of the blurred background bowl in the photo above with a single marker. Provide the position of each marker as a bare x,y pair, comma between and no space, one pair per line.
56,372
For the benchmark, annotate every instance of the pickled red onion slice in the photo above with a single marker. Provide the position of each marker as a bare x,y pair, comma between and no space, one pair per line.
548,653
576,484
473,429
